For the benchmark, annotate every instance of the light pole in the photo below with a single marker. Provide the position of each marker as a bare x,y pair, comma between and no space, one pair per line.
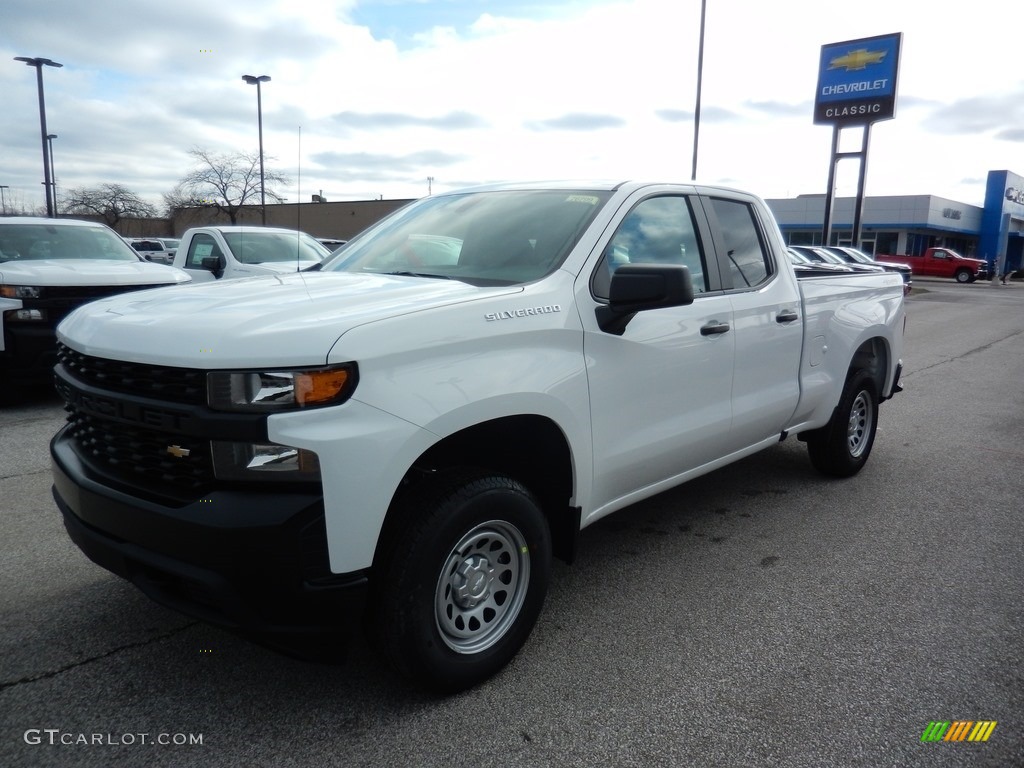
700,76
3,202
252,80
53,169
38,63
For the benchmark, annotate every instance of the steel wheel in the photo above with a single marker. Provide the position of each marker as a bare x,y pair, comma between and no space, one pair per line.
459,578
842,446
862,417
481,587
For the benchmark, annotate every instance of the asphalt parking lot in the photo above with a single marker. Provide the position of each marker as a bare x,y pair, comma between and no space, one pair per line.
758,616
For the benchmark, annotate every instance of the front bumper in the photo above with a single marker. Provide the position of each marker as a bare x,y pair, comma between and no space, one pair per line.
254,562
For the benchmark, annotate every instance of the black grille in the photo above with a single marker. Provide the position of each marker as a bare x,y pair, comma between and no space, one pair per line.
58,301
171,464
174,385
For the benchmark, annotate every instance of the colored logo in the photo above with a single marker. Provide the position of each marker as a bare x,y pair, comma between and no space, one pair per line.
958,730
858,59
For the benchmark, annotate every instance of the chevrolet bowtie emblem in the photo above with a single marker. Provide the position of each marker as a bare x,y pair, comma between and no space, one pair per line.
177,451
858,59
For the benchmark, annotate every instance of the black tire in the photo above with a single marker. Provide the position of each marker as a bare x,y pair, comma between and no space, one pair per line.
964,276
842,446
461,579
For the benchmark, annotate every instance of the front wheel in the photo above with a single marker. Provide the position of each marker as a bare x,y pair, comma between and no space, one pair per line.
963,276
842,446
462,579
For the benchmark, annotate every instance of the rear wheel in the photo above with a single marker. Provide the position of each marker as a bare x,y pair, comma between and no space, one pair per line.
462,579
842,447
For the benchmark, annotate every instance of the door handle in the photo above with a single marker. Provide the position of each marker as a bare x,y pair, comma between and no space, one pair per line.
786,316
714,328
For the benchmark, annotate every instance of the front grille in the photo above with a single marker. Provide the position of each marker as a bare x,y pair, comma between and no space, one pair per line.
58,301
174,385
165,463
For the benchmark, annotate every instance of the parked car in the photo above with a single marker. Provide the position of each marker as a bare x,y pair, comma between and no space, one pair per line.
822,255
49,267
856,256
807,267
159,250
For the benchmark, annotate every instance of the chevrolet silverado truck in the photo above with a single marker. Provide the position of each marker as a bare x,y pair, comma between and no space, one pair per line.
48,267
942,262
229,252
404,437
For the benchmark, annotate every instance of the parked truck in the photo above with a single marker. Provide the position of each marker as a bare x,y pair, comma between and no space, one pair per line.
48,267
229,252
941,262
404,437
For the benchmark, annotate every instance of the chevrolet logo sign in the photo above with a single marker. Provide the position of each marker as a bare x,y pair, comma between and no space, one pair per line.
858,59
178,452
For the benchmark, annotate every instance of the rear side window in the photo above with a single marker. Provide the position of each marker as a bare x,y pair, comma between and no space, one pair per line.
749,264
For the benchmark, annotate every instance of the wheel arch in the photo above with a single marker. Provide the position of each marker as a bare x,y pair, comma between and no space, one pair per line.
872,356
529,448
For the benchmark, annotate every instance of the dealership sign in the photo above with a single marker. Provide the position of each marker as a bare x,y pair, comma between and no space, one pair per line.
857,80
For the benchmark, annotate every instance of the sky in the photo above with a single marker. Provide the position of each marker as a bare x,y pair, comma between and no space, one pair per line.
371,98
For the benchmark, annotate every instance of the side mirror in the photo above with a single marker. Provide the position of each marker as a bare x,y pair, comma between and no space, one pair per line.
214,264
640,287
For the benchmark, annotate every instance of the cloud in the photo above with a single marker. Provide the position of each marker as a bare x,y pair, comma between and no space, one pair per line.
1011,134
576,121
674,115
384,167
783,109
453,121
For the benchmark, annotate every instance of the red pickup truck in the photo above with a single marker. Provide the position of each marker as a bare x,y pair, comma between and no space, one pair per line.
941,262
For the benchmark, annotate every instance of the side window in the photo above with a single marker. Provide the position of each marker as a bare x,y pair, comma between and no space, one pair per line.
749,264
202,245
659,230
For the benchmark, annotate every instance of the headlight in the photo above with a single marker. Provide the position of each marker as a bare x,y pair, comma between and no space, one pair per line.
264,461
280,390
26,315
20,291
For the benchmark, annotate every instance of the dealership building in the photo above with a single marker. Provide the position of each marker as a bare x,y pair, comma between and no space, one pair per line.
908,224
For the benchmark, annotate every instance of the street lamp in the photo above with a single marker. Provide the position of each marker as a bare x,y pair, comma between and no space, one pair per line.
38,63
3,202
53,168
252,80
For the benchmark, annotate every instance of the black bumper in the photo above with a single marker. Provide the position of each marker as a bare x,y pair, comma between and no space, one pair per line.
30,352
253,562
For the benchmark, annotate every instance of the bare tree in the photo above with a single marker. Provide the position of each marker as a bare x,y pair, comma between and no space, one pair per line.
111,201
226,182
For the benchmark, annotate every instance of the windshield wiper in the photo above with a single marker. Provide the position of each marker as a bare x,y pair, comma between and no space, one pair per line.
407,273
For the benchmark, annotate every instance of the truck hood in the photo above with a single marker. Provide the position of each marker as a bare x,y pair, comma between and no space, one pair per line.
276,319
71,272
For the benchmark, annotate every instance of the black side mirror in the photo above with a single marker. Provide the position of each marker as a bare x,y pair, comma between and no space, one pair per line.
639,287
214,264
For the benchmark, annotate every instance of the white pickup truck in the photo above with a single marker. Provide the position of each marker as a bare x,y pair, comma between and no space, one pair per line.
405,436
48,267
229,252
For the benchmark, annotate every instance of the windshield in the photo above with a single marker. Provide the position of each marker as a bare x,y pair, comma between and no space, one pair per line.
483,238
24,242
256,247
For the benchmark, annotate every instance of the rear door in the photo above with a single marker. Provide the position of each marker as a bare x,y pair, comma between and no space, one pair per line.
767,322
